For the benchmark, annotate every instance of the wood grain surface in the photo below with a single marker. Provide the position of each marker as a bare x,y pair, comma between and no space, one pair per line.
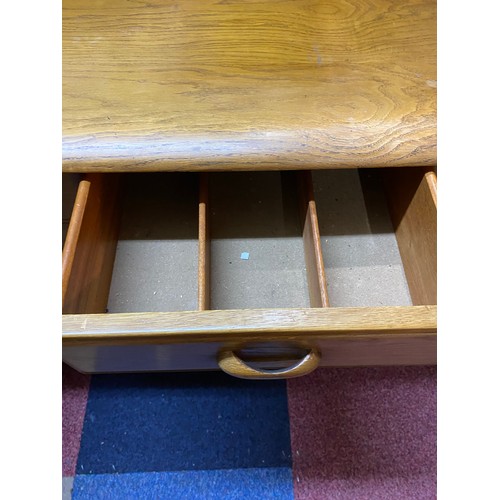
203,245
194,340
248,84
431,179
412,201
245,325
90,278
71,241
313,253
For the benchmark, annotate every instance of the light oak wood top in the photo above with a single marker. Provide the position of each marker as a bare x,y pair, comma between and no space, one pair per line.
248,84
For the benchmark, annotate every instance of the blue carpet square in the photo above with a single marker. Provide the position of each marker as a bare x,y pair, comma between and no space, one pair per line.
247,484
183,421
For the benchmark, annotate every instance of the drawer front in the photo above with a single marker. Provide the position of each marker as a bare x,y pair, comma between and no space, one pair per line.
382,350
266,339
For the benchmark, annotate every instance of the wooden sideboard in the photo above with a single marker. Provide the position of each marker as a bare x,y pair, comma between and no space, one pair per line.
182,119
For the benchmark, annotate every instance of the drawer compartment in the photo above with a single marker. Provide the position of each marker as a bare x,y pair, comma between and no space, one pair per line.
155,267
363,264
169,271
257,249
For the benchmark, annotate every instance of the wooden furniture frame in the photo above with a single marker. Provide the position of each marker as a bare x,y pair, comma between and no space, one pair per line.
225,86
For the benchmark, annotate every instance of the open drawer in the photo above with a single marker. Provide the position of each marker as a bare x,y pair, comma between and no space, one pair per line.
261,274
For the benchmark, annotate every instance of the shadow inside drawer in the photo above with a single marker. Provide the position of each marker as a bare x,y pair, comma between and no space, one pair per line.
363,266
155,263
257,250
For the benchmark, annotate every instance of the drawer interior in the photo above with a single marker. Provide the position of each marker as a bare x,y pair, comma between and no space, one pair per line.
147,242
362,262
257,250
155,264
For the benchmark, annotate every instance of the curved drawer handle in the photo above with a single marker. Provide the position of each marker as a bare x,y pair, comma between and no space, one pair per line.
230,363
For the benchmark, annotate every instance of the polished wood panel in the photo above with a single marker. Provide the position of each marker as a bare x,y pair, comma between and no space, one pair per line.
379,350
237,84
315,268
245,325
71,242
193,341
204,246
412,202
90,279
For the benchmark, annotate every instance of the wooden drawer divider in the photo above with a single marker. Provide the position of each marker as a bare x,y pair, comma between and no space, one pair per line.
412,200
204,245
313,254
75,224
316,276
90,251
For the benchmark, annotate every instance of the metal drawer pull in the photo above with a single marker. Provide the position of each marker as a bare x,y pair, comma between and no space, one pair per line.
230,363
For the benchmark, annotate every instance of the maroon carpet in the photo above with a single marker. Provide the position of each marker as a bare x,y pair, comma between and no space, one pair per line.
364,433
74,401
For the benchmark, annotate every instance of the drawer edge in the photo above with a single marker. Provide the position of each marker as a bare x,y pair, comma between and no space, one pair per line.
246,325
